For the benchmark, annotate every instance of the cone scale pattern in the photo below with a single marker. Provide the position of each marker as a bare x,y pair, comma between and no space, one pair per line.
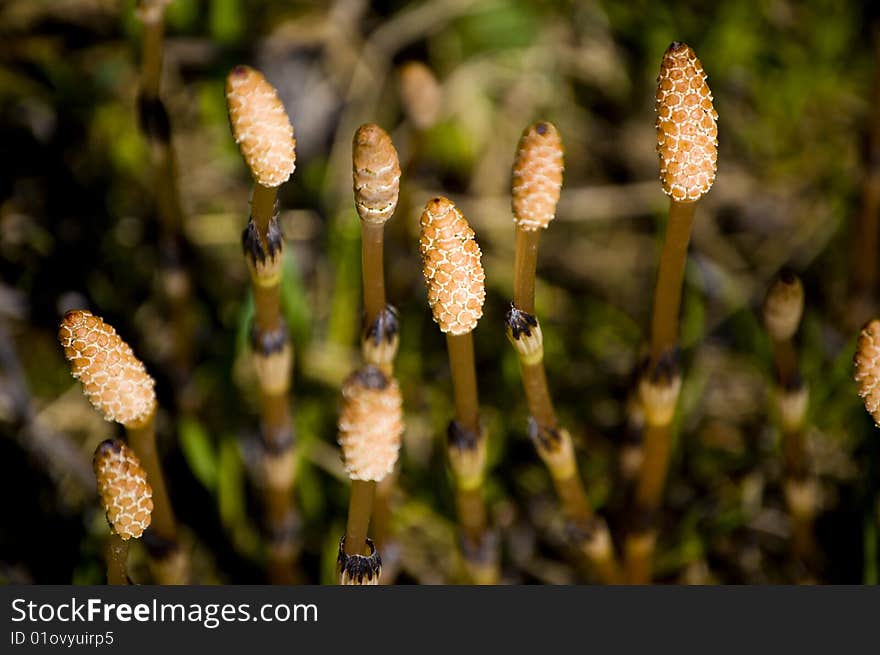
113,379
375,174
537,176
370,424
687,130
867,365
260,126
451,264
125,493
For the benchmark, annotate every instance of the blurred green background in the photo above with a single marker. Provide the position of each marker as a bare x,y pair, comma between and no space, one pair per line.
793,84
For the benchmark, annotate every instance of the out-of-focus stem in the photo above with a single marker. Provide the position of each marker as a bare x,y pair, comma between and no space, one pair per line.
143,441
151,54
273,354
168,561
653,475
867,232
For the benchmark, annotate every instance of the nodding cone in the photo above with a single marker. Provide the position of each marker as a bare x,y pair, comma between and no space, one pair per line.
784,306
122,484
113,379
687,132
867,365
537,176
420,94
452,267
260,126
375,172
370,423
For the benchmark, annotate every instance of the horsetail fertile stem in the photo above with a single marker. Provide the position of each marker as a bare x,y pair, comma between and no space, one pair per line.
536,187
687,146
156,128
370,431
119,387
126,496
376,184
264,135
783,308
451,264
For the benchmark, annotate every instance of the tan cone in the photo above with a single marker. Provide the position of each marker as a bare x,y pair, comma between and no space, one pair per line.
687,130
375,174
126,495
370,424
113,379
537,176
260,126
452,266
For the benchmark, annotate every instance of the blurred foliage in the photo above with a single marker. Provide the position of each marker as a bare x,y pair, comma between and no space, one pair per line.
78,227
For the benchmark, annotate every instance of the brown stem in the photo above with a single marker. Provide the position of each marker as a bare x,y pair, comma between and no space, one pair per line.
272,339
524,266
117,558
566,477
664,338
154,122
538,398
360,506
573,497
471,512
263,209
267,308
381,519
657,445
464,380
151,55
670,278
372,242
639,556
785,362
